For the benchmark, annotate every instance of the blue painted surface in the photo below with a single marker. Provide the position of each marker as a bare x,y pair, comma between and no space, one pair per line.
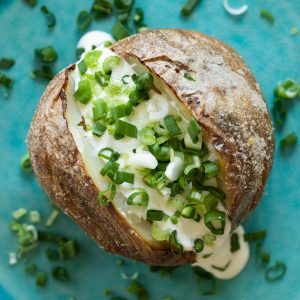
272,55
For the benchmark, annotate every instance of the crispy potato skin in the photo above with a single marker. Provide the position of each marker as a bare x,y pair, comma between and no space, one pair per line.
59,169
225,99
169,53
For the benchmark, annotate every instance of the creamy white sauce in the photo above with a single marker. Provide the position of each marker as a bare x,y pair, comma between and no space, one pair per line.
155,109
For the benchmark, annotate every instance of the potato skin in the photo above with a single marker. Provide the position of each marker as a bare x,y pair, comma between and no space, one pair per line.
225,99
60,171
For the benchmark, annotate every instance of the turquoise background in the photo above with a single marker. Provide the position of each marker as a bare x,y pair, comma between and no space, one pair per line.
272,55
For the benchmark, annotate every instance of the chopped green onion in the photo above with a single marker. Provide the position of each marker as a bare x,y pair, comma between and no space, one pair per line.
52,217
123,5
111,188
188,76
221,269
52,254
60,274
175,247
208,239
175,217
289,140
98,129
121,110
158,234
145,82
124,177
123,79
155,215
255,236
30,268
194,130
107,44
102,81
68,250
138,289
189,6
158,180
138,198
172,126
125,128
195,165
147,136
46,54
288,89
92,57
215,221
50,17
188,211
119,31
101,8
84,92
34,216
84,20
162,139
194,196
265,258
160,129
31,3
276,272
44,72
234,243
110,169
20,213
51,237
103,153
209,202
99,110
25,163
198,245
79,52
6,63
82,67
41,279
138,96
142,28
109,63
5,81
211,169
267,15
138,16
215,192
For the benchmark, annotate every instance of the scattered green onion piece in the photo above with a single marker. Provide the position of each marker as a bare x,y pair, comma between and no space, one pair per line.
52,217
121,110
221,269
138,198
41,279
114,89
175,247
123,17
255,236
51,237
175,217
209,202
68,250
158,180
25,163
198,245
109,63
30,268
288,89
215,192
160,129
188,76
142,28
194,130
98,129
52,254
110,169
5,81
19,213
50,17
138,96
107,44
125,128
158,234
234,243
60,274
145,82
99,110
211,169
111,188
79,52
188,212
194,196
195,165
138,16
45,72
82,67
172,126
289,140
34,216
119,31
183,182
103,153
123,79
92,57
46,54
99,79
155,215
84,92
31,3
197,218
147,136
138,289
84,20
101,8
6,63
162,139
189,6
208,239
215,221
124,177
265,258
276,272
267,15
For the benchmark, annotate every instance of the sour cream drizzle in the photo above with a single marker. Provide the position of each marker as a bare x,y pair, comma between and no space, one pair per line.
218,254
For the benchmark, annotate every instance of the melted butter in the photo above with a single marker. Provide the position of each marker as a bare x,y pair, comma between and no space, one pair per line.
156,108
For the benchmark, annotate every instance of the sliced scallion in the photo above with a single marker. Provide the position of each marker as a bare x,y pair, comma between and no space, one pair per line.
147,136
126,128
50,17
84,20
92,57
5,81
25,163
6,63
255,236
194,130
82,67
198,245
140,198
215,221
188,211
41,279
60,274
122,176
84,92
155,215
188,7
211,169
172,126
188,76
234,243
145,82
276,272
175,247
267,15
99,110
110,194
109,169
68,250
46,54
289,140
119,31
110,62
158,234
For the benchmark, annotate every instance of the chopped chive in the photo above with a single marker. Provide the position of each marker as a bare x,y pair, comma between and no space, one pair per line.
92,57
276,272
155,215
5,81
188,211
101,8
234,243
25,163
123,79
145,82
110,169
138,96
147,136
110,62
19,213
98,129
158,234
287,89
30,268
52,254
45,72
175,247
289,140
34,216
84,92
6,63
41,279
51,237
84,20
124,177
215,192
79,52
208,239
121,110
105,151
194,130
60,274
46,54
68,250
172,126
211,169
255,236
125,128
82,67
99,110
123,5
111,189
195,165
215,221
267,15
138,16
138,198
175,217
119,31
52,217
198,245
189,6
50,17
138,289
221,269
188,76
265,257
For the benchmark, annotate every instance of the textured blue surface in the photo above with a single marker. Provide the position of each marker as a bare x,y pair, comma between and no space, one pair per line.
272,55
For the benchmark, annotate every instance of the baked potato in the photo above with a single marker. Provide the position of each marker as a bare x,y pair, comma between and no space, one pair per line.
158,147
